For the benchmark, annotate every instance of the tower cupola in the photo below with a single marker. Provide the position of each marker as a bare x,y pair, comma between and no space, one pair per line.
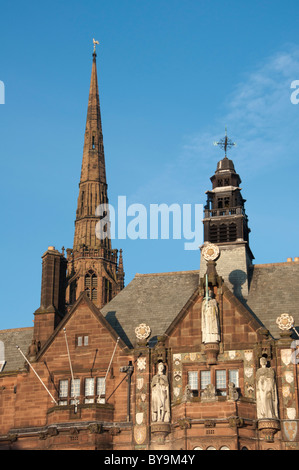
226,222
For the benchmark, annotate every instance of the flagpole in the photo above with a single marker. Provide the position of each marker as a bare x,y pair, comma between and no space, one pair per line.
71,368
53,399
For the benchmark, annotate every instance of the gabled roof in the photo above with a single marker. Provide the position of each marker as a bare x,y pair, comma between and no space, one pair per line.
159,299
82,298
154,299
11,338
274,289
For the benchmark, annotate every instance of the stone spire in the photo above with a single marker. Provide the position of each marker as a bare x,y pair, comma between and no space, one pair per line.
92,263
93,185
120,271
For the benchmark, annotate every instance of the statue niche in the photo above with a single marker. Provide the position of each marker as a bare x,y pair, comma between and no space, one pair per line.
266,392
160,396
266,402
210,319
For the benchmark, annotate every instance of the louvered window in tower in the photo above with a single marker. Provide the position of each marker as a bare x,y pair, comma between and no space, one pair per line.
232,232
108,291
91,284
223,233
213,234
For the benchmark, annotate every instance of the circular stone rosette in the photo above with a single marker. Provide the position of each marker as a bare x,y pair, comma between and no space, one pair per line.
285,321
142,331
210,252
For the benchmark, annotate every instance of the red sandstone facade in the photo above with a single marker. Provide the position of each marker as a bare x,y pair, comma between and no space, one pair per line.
75,347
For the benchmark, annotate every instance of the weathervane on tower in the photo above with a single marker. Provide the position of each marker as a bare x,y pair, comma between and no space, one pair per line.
225,143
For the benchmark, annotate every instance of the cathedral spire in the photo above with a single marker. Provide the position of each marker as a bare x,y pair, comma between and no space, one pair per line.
92,263
93,165
93,184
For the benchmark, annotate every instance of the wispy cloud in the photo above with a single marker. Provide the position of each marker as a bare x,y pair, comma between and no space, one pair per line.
259,115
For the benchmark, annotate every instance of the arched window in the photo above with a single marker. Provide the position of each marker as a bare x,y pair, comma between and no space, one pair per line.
108,291
91,285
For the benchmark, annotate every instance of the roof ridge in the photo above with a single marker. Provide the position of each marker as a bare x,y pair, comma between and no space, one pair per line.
17,329
171,273
285,263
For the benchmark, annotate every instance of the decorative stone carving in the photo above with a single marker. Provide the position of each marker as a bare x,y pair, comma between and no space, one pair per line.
285,322
160,396
210,252
291,413
141,363
235,422
184,423
114,431
160,430
95,428
140,434
211,352
233,393
266,392
209,423
142,331
290,430
267,428
209,393
188,394
139,418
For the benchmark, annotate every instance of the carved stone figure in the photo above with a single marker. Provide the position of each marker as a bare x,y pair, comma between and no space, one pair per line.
188,394
266,392
210,320
232,392
209,393
160,396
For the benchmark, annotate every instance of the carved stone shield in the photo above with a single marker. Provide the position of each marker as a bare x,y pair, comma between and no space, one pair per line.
140,434
290,430
139,418
286,355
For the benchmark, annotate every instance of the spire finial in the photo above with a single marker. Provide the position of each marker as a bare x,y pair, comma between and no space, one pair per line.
94,47
225,143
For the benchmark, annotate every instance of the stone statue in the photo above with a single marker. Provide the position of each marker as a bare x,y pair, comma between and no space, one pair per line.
232,392
160,396
210,319
266,392
188,394
209,393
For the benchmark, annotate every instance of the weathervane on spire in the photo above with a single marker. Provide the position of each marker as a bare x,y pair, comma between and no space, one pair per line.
94,45
225,143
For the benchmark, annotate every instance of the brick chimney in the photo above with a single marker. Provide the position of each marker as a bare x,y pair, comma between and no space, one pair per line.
52,307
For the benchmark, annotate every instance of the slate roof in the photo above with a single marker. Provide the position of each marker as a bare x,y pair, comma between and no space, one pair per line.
274,289
154,299
11,338
157,299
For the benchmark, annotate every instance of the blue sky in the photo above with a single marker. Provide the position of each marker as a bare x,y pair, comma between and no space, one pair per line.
172,75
